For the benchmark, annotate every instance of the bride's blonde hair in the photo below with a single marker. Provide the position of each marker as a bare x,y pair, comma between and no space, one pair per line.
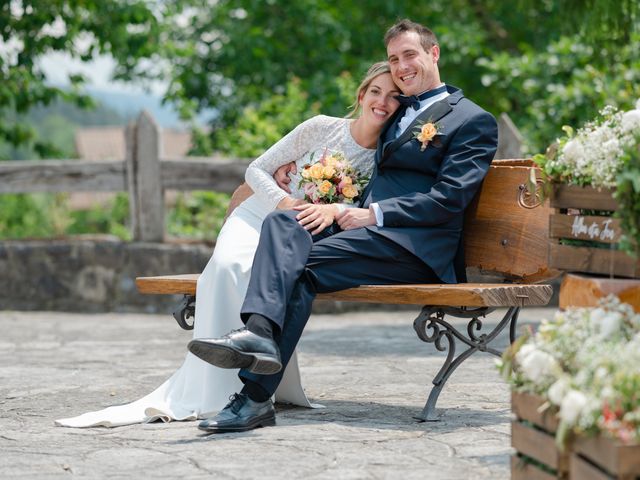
375,70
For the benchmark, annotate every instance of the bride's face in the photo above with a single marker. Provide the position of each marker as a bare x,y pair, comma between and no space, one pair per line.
378,101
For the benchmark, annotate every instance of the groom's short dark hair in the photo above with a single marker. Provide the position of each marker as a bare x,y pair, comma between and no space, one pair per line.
427,37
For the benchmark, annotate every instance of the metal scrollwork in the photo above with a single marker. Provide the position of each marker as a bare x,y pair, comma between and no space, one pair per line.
431,327
527,198
185,310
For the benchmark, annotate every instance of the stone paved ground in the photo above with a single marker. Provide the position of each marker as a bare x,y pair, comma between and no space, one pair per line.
368,369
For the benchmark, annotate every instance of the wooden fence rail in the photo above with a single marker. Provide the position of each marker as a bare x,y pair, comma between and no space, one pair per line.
143,173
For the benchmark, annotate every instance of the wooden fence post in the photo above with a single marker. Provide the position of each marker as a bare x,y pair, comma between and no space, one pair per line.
146,195
509,139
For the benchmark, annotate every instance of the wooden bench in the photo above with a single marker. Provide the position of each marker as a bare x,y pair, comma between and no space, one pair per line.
506,233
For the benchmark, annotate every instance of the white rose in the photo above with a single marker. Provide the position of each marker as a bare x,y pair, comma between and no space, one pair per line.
538,366
573,150
630,121
610,324
607,393
558,390
572,406
595,318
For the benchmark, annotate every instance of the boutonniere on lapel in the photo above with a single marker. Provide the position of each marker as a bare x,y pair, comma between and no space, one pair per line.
427,133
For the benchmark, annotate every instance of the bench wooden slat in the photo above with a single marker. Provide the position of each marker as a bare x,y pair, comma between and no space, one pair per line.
466,294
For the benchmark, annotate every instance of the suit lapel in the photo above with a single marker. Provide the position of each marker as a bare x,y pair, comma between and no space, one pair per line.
434,113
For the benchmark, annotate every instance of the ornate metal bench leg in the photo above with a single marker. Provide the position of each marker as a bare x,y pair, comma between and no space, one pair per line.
432,328
185,310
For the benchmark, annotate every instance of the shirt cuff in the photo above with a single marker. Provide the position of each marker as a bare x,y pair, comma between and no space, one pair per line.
378,213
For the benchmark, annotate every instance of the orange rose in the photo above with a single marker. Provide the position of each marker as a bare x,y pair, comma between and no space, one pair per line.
427,132
315,171
328,172
325,187
349,191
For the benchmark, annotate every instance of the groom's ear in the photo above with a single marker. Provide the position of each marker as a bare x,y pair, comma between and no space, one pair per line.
435,51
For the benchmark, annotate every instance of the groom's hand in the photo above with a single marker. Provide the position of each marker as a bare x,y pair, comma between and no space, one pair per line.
281,176
316,217
353,218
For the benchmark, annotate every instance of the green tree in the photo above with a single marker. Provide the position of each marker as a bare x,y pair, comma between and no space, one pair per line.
126,30
239,53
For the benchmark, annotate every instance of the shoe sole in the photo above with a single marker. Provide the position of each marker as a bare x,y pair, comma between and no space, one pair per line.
226,357
265,422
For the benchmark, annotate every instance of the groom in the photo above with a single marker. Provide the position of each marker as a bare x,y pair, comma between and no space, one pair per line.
431,159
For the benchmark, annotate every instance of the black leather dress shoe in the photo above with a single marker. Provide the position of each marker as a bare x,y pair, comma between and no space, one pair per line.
239,349
240,414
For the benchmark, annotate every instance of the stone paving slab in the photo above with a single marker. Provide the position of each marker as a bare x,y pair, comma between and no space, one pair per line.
368,368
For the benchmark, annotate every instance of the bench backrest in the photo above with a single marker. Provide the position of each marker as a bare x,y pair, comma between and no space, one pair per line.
506,229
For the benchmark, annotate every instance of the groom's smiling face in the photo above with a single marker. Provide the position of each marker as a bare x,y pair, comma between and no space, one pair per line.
413,69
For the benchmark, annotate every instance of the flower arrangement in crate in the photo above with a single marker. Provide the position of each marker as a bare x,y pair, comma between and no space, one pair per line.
585,364
591,173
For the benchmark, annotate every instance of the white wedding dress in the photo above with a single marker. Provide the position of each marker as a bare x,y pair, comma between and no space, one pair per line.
198,389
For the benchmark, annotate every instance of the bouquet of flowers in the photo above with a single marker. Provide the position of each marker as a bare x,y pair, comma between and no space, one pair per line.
585,362
332,179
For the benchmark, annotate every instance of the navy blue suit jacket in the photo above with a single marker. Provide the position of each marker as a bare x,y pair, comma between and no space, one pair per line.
423,194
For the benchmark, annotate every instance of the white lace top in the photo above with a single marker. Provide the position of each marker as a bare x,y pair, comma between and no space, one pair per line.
305,144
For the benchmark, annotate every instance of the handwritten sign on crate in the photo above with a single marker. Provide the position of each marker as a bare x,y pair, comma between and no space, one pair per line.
584,234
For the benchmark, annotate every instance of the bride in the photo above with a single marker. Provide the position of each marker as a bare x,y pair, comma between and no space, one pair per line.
197,389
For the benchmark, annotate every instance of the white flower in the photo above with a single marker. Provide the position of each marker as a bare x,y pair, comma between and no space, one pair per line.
607,393
631,121
538,366
573,151
558,390
595,317
638,104
610,324
572,406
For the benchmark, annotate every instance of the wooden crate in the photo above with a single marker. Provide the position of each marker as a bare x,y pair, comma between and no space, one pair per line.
603,458
566,223
584,458
583,290
533,437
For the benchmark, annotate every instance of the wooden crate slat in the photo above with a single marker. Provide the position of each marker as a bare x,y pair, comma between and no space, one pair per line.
520,470
581,227
589,198
580,469
592,260
527,407
539,445
617,458
585,290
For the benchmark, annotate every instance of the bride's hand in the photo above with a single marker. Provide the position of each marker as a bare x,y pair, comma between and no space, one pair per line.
316,217
281,176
